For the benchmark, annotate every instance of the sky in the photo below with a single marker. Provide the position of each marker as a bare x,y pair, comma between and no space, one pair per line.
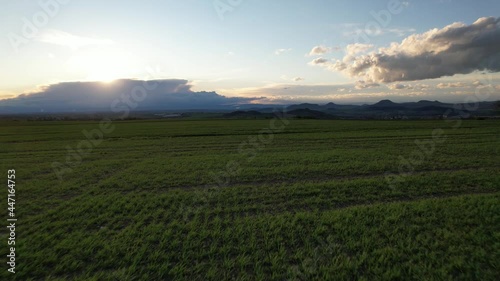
252,51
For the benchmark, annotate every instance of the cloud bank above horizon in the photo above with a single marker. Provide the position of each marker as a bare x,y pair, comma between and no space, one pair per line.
163,94
177,94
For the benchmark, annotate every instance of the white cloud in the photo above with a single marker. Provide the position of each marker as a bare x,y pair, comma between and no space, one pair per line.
281,51
295,79
318,61
421,87
58,37
417,87
319,50
356,48
477,83
355,30
399,87
399,31
452,85
365,85
454,49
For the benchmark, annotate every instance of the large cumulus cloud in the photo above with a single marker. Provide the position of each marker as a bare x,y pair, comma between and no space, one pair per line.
171,94
455,49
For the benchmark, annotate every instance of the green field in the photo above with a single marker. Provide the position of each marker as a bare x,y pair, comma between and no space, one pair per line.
254,200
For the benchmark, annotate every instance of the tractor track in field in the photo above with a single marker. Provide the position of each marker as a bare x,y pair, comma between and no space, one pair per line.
315,179
272,210
346,205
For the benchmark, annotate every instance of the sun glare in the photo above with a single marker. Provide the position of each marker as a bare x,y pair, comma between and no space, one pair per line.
104,65
106,77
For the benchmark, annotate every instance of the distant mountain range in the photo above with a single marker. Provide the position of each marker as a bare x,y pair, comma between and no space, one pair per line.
384,109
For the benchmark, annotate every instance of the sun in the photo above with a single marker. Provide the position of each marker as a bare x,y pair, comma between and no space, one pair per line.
108,81
104,65
105,76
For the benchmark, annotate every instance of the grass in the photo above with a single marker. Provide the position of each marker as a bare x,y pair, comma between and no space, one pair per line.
217,200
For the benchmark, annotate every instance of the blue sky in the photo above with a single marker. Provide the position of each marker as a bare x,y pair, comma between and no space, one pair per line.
247,48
